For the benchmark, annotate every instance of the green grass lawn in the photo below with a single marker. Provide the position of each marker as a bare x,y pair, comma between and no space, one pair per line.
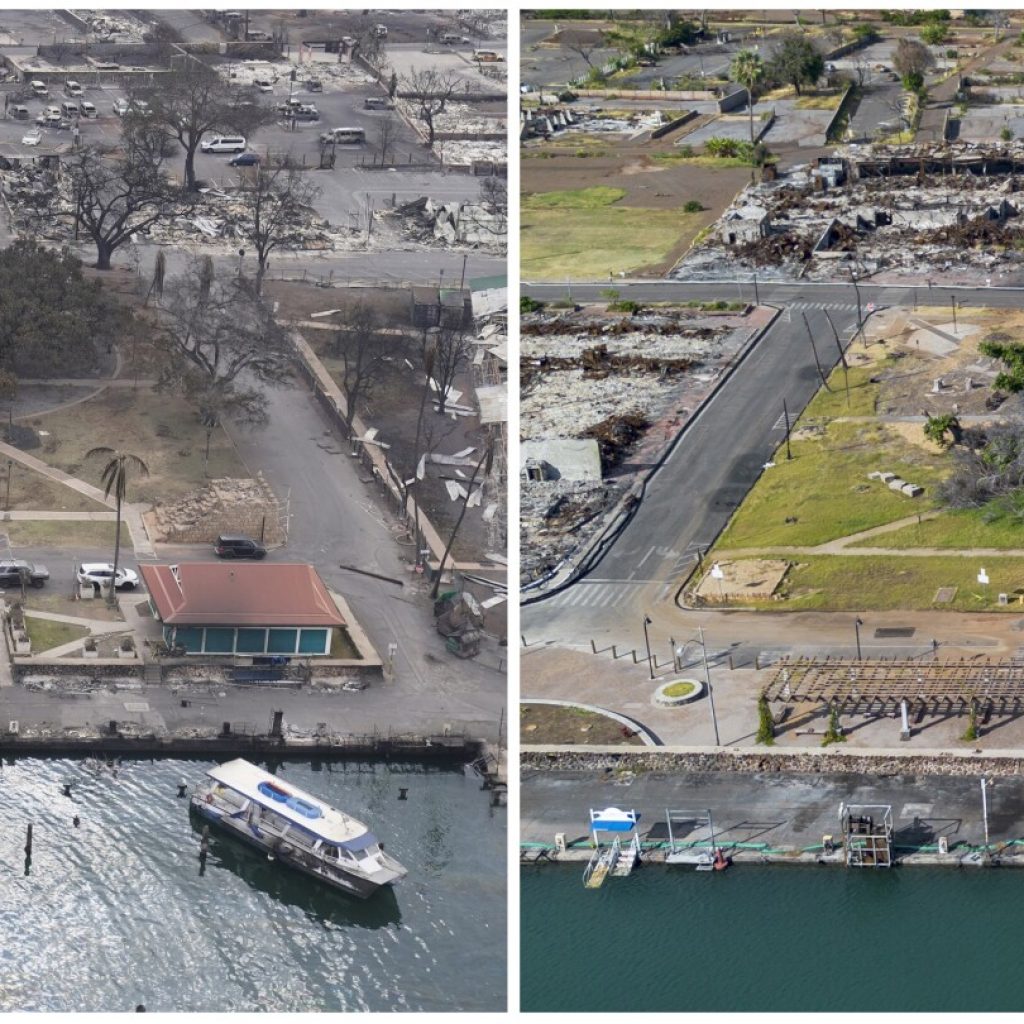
583,235
882,583
45,634
953,530
826,488
832,404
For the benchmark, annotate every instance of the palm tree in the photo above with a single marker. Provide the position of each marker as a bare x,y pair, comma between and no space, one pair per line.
748,68
115,479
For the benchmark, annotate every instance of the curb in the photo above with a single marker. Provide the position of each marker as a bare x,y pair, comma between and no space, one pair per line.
650,740
595,552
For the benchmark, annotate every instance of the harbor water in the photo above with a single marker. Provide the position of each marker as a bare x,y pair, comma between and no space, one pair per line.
773,938
118,911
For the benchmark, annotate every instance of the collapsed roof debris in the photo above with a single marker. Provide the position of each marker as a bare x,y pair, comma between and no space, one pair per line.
450,224
882,208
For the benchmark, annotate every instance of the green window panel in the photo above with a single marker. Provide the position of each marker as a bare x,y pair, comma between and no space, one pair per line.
190,638
251,641
314,641
282,641
219,640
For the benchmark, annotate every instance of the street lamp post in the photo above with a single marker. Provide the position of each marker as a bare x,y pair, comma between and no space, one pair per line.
952,302
757,297
707,679
860,315
857,623
647,642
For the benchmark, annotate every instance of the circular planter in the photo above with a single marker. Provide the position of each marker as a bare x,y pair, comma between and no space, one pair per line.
666,698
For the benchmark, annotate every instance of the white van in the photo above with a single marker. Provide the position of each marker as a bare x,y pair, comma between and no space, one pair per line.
344,136
486,56
69,109
38,88
223,144
88,109
263,84
72,88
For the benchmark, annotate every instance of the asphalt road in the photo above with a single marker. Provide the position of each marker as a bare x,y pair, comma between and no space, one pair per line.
721,454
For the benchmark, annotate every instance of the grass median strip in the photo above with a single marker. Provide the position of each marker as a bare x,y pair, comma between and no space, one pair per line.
882,583
63,533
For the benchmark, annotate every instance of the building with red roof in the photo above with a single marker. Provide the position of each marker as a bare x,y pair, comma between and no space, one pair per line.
241,608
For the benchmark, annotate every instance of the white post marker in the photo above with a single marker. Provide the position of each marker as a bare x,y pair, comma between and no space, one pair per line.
983,576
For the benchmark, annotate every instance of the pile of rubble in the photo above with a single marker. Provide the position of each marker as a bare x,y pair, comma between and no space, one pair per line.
226,505
450,225
114,26
328,74
908,209
558,518
459,117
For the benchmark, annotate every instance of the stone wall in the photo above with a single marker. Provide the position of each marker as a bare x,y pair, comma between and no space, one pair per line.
224,506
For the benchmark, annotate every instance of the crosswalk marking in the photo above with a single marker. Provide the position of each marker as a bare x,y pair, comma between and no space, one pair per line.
844,307
595,595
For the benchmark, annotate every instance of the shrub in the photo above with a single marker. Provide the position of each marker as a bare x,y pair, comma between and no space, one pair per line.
624,306
686,151
127,644
693,206
528,305
765,722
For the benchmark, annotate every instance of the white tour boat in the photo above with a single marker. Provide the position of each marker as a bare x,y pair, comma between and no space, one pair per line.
296,828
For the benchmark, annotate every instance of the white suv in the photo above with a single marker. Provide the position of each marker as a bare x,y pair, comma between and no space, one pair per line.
224,144
101,572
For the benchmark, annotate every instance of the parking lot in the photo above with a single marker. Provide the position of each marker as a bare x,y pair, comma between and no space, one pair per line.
337,108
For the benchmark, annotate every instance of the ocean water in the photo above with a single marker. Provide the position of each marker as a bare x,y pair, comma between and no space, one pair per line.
117,912
773,938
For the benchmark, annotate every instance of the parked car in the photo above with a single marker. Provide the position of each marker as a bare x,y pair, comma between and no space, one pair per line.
100,573
13,569
244,160
264,84
19,112
314,85
38,88
306,112
32,137
237,545
88,109
223,144
379,103
72,88
120,107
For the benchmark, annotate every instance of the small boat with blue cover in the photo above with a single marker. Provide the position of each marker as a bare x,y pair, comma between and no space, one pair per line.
296,828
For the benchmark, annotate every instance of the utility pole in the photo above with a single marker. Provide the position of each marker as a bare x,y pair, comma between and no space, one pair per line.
857,623
785,412
952,302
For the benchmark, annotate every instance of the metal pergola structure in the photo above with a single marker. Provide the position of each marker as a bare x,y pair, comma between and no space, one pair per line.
880,686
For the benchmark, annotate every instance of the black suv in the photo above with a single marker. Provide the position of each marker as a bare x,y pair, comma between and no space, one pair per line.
237,545
11,570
